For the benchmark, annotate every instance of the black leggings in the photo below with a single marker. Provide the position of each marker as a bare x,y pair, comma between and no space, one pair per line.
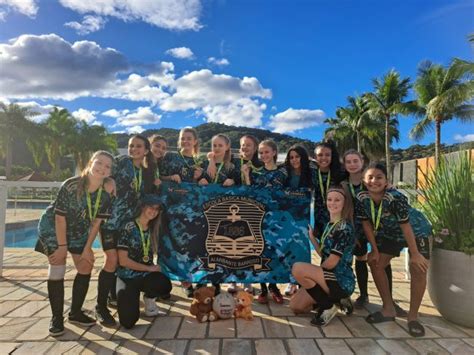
128,295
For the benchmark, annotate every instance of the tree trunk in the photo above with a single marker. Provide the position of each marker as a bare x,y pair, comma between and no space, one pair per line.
358,141
387,147
438,142
8,159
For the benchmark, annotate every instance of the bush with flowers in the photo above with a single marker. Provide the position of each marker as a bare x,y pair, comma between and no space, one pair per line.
447,199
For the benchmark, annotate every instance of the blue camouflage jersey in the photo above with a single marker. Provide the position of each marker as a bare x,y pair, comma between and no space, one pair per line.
228,171
238,162
340,241
177,164
267,178
131,241
395,211
129,190
75,210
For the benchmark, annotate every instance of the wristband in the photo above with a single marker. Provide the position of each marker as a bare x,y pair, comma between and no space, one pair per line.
62,245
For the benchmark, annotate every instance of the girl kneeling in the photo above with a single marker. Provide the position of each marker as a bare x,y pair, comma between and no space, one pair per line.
136,272
333,280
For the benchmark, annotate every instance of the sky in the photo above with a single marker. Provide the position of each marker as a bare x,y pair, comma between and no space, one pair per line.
280,65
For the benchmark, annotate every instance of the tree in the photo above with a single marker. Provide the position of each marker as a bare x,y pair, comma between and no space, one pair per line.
354,127
443,94
14,125
387,102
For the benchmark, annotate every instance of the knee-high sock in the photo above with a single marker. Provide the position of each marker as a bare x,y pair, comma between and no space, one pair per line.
362,274
79,292
56,297
105,285
388,271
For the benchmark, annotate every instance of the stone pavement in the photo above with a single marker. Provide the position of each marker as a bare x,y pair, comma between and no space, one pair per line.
25,315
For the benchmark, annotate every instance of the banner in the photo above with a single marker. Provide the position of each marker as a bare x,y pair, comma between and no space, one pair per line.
233,234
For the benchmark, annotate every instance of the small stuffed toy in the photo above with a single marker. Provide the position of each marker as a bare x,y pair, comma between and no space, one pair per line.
243,308
201,307
224,305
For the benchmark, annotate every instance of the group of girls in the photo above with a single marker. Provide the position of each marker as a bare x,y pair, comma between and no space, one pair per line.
116,197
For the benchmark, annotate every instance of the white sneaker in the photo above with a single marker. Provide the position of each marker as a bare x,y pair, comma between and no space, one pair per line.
290,289
151,308
324,318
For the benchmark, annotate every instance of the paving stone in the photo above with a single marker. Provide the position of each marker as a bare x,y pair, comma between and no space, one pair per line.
250,328
236,347
4,291
223,328
468,331
137,346
191,328
171,347
8,306
98,332
470,341
29,309
277,328
398,347
336,329
429,333
4,320
137,332
37,331
7,348
261,310
204,346
180,308
303,329
428,347
442,327
35,347
269,347
19,293
302,346
333,346
359,327
105,347
15,327
455,346
281,310
391,330
68,347
365,346
164,328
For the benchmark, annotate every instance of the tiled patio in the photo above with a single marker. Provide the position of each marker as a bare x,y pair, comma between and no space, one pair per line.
25,314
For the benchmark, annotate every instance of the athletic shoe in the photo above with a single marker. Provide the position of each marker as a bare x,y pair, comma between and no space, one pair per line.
151,308
290,289
345,305
249,288
276,295
262,298
103,316
111,302
232,288
323,319
56,327
81,318
361,301
189,291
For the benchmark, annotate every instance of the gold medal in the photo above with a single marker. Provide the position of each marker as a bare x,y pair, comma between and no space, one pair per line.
146,259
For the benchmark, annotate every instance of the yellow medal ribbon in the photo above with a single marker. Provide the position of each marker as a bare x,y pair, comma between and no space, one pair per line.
195,159
157,173
327,230
137,181
376,222
321,185
351,187
96,204
145,243
218,172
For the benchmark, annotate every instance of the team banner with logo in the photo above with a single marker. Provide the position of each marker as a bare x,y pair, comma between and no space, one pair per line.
233,234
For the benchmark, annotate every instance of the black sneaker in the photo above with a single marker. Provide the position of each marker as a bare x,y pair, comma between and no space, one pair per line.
345,305
104,317
56,327
189,291
111,302
81,318
361,301
323,318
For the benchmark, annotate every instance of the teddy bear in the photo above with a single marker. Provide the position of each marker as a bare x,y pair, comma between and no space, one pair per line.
201,307
243,308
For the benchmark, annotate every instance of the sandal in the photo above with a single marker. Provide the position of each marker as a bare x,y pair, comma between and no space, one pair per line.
416,329
378,317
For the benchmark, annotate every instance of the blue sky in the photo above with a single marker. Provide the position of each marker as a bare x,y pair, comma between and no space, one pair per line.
278,65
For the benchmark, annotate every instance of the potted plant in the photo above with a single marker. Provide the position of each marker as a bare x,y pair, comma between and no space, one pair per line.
447,199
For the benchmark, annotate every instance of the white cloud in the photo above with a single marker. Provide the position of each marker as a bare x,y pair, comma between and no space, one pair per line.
133,129
25,7
47,66
168,14
89,24
243,112
42,110
115,113
180,53
465,138
292,120
221,62
85,115
141,116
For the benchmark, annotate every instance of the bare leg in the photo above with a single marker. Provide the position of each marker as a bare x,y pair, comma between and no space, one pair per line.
381,281
417,290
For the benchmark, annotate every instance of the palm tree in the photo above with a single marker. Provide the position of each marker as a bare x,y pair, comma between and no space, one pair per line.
354,127
443,94
387,102
14,125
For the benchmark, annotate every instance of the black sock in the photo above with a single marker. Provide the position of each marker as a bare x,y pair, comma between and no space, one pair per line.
320,297
105,284
113,290
79,292
56,297
388,271
263,289
362,274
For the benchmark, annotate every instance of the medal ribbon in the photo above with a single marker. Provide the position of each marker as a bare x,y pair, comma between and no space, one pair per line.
218,172
96,204
352,190
327,230
145,243
375,222
195,159
321,185
137,181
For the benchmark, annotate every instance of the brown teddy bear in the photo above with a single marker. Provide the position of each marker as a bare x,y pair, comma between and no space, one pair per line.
202,304
243,308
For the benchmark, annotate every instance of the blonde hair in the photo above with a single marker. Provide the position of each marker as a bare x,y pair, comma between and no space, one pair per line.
228,153
195,135
270,143
83,180
157,137
347,212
